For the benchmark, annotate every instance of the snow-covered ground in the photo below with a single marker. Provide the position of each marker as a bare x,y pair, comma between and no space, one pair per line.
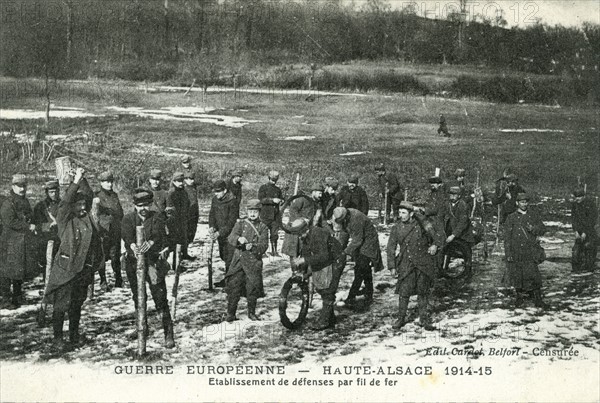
478,327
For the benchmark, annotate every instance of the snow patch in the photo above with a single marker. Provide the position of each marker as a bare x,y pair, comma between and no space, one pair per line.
531,131
61,113
353,153
297,138
557,224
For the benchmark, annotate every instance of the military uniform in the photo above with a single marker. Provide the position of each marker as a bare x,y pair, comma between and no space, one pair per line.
394,191
155,265
269,213
300,208
79,255
584,214
235,188
355,199
110,214
458,224
414,266
505,195
18,252
363,248
178,208
194,213
44,218
522,251
222,217
244,277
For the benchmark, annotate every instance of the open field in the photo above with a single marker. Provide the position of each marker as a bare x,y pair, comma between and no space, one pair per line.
399,130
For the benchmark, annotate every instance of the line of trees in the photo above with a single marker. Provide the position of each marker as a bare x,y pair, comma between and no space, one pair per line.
156,39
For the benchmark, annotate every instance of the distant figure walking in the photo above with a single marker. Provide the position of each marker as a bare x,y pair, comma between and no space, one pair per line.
443,127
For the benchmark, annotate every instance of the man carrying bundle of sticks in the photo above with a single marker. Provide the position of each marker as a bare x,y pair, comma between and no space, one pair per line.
155,249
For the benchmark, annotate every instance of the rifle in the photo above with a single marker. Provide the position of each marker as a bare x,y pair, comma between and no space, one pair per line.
174,291
141,293
41,317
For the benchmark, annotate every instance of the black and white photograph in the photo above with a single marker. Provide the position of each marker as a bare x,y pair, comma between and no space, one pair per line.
299,200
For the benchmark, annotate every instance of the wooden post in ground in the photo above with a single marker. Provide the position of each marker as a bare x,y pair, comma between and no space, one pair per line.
385,204
297,184
141,293
209,261
175,290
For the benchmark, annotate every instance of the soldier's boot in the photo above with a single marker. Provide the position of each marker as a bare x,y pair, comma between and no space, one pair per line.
402,309
58,320
168,329
537,299
232,304
74,319
424,316
252,309
17,293
326,317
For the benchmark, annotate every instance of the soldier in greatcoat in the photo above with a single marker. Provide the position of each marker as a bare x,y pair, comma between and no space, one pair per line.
191,188
322,257
363,248
523,251
18,261
457,227
44,218
79,255
153,248
110,214
249,239
271,198
330,199
354,196
411,251
584,213
222,217
234,185
159,194
178,207
395,193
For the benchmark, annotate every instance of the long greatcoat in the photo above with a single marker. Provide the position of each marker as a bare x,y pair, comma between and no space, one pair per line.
520,245
178,208
363,235
356,199
457,221
80,243
250,262
18,252
270,210
413,243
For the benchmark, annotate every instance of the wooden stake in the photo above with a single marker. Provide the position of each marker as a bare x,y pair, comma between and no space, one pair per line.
141,293
209,259
437,172
385,204
175,290
41,319
297,184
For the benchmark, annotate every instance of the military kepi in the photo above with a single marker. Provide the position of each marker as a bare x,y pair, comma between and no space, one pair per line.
253,204
19,180
142,196
218,186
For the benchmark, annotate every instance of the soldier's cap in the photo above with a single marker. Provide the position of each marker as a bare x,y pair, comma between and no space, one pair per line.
219,186
339,213
454,190
273,174
317,187
142,196
435,179
155,174
177,177
353,179
522,196
253,204
460,172
51,184
579,192
237,172
19,180
332,182
189,175
106,176
511,177
380,168
298,226
185,159
406,206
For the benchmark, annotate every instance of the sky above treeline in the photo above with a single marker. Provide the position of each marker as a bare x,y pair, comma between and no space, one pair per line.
569,13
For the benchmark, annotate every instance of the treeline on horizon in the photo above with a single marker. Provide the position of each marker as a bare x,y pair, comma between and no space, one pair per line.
213,42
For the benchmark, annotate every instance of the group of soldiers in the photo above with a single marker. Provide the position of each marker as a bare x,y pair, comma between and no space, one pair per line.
327,226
